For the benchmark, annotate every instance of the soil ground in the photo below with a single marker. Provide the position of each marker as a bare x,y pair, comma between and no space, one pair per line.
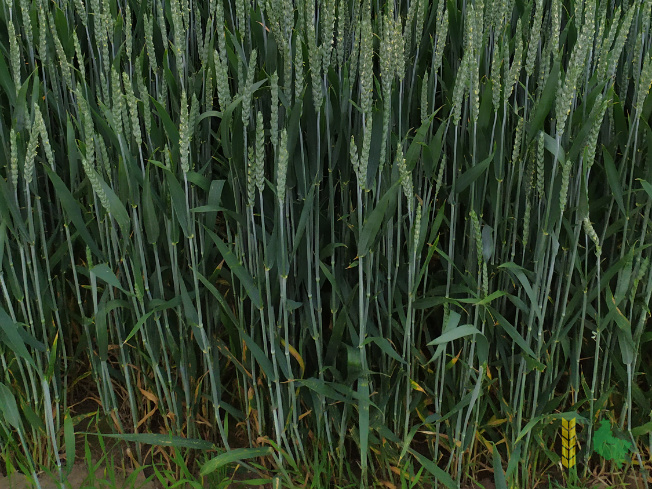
78,479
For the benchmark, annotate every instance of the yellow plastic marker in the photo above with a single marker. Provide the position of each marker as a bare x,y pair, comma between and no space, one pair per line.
568,442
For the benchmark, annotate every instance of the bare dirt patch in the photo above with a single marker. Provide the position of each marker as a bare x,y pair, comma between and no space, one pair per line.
80,478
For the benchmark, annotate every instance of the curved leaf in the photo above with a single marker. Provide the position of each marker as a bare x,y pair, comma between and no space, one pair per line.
235,455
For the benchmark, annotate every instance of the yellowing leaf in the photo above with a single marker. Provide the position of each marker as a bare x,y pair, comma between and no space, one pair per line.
416,386
296,356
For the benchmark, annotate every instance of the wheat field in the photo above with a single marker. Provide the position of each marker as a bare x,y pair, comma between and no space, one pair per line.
367,241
